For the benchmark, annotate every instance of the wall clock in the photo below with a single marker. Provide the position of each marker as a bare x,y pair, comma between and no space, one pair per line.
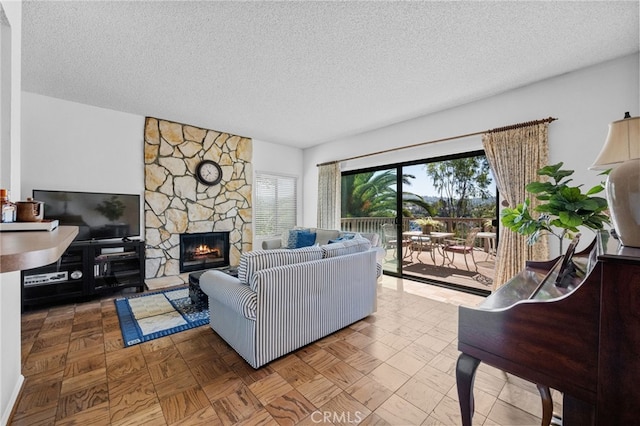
209,172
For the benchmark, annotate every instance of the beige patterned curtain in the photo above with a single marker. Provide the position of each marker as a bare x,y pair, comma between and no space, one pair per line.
329,196
515,155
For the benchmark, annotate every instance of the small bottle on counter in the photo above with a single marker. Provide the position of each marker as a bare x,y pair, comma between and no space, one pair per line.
8,208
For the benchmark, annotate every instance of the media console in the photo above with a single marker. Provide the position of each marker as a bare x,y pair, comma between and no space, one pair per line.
86,269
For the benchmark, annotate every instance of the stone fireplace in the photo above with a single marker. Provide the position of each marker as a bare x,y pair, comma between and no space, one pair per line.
176,203
203,250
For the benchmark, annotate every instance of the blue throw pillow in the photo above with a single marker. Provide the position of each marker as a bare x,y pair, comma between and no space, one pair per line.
306,239
299,238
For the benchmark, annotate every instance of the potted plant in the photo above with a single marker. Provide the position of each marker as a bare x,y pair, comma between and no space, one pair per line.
427,223
563,210
488,225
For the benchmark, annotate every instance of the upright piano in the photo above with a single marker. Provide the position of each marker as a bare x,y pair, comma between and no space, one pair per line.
579,335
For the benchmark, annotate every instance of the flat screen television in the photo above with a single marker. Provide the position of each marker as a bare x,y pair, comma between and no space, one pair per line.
98,216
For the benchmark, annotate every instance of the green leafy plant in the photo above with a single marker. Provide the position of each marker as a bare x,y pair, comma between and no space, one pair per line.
564,208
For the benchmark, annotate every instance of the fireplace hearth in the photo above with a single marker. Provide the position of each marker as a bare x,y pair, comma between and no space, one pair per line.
204,250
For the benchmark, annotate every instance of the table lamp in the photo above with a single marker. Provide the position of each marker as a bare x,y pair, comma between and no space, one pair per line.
621,153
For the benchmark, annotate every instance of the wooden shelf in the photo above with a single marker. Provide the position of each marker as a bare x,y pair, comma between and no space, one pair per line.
32,249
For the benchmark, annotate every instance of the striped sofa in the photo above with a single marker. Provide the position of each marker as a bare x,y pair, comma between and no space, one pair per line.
285,299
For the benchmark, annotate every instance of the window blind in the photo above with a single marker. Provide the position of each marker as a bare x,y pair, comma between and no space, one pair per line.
275,204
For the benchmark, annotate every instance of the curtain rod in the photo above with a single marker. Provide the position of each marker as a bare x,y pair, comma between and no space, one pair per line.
498,129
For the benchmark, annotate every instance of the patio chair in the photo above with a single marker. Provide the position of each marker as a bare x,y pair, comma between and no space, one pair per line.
463,246
390,238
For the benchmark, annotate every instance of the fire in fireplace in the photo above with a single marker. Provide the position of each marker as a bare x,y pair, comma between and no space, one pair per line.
204,250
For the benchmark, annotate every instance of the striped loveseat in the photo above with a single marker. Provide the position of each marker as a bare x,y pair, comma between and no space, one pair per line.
284,299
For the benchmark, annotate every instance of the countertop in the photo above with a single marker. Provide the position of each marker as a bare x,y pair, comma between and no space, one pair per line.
31,249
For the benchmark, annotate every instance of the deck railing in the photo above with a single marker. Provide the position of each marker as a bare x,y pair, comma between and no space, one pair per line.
459,225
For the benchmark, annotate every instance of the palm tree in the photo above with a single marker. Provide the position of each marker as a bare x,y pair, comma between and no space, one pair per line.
369,194
374,194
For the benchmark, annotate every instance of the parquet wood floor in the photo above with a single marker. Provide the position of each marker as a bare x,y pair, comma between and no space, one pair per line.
395,367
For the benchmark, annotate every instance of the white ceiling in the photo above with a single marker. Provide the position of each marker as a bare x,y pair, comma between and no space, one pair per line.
303,73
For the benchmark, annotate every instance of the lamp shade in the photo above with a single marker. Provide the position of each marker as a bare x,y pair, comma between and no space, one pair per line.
621,153
622,144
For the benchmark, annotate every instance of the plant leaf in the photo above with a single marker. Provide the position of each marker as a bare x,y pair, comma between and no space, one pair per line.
537,187
550,170
570,219
595,190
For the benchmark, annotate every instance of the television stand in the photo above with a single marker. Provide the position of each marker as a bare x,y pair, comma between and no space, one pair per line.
86,269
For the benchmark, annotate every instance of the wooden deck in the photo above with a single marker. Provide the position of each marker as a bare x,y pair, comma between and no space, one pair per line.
432,265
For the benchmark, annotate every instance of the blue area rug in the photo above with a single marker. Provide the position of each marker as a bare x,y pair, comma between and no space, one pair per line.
152,315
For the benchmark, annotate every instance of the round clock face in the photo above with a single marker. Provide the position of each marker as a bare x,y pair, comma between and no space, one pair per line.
209,172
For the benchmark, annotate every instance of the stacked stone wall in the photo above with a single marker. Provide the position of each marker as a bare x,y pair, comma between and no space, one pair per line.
176,202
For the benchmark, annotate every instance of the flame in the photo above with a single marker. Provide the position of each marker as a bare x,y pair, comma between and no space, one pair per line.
203,249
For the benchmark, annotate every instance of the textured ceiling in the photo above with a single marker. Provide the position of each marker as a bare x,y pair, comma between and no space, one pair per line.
303,73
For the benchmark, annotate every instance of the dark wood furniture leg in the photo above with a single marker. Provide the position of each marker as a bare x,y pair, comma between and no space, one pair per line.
547,404
465,374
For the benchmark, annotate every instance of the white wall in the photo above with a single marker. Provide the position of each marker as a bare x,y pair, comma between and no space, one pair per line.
11,378
77,147
584,102
71,146
279,159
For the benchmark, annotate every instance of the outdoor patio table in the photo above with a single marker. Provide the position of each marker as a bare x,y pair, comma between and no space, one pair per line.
489,242
434,239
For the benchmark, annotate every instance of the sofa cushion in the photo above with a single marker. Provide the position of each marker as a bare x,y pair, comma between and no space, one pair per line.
349,246
343,237
324,235
357,244
333,250
286,235
253,261
299,238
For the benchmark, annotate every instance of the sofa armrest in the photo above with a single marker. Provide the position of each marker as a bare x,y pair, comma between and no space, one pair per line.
380,253
272,243
230,292
373,237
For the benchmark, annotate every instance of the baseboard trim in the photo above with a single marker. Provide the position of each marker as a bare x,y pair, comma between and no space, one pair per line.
12,403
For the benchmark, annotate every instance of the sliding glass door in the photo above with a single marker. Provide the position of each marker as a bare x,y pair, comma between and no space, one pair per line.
449,207
436,218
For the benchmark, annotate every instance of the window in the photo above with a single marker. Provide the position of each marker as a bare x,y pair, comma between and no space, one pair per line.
275,204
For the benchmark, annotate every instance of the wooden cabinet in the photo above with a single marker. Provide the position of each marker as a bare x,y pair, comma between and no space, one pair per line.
84,270
618,394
